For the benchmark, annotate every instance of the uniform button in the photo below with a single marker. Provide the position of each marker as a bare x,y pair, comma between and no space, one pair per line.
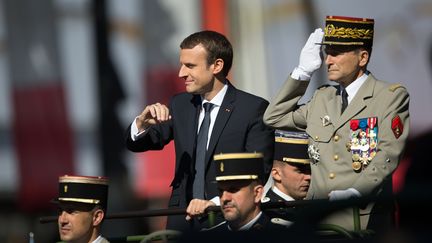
336,138
336,157
316,137
332,175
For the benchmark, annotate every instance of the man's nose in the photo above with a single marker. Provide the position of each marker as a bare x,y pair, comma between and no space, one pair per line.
182,72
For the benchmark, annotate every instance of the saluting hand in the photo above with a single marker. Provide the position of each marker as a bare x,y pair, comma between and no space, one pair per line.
311,55
152,114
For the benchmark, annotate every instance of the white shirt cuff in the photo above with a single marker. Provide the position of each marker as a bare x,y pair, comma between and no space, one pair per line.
298,74
216,200
135,134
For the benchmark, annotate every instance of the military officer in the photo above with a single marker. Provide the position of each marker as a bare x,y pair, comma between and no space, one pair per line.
239,179
357,129
291,173
82,204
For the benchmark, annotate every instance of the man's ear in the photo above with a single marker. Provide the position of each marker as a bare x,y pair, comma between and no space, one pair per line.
218,66
98,216
275,173
364,58
258,191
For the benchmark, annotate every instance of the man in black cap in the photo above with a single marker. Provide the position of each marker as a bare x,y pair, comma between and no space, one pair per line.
290,175
239,179
357,129
82,205
291,171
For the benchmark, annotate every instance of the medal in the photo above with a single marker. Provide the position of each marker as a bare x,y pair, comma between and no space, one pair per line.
364,141
356,166
313,152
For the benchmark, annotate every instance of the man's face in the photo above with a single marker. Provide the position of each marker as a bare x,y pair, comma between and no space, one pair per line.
344,63
239,201
197,73
75,222
294,178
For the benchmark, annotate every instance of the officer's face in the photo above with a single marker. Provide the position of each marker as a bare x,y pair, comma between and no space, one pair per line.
197,73
344,64
76,222
240,201
294,179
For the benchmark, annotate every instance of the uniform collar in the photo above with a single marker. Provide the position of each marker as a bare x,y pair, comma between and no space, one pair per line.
282,195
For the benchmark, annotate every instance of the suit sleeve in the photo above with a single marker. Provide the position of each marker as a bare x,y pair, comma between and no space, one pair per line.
283,112
261,138
390,145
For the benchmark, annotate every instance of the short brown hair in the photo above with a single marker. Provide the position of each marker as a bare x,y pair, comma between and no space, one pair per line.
216,45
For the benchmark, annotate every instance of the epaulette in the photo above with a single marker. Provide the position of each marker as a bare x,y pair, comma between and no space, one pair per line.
393,87
282,222
324,86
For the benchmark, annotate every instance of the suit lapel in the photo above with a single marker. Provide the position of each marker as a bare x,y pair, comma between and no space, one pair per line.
334,105
359,102
222,118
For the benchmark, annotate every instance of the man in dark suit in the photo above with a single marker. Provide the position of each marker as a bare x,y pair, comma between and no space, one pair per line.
235,125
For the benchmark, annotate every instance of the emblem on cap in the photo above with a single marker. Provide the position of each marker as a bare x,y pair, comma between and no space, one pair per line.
65,188
221,167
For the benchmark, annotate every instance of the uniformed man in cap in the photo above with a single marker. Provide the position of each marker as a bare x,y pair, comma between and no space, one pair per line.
239,179
82,205
357,129
291,171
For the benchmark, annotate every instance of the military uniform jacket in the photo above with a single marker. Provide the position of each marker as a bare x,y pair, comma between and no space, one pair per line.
288,214
330,133
264,223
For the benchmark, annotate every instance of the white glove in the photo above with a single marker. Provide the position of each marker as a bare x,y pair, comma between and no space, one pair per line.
310,56
344,194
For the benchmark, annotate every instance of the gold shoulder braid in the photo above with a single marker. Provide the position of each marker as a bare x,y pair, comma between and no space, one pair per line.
393,87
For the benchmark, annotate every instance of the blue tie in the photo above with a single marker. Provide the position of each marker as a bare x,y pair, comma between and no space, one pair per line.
201,149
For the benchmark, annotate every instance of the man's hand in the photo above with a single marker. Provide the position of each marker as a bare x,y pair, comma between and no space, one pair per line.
197,207
152,114
344,194
311,56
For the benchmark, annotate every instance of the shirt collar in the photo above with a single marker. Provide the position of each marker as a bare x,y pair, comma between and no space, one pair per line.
248,225
98,239
353,87
282,195
217,100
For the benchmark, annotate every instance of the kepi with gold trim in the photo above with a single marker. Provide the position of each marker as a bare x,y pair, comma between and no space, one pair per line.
91,190
348,31
239,166
291,147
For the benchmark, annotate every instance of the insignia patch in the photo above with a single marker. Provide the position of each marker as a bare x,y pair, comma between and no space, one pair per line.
363,141
397,126
65,188
221,167
325,120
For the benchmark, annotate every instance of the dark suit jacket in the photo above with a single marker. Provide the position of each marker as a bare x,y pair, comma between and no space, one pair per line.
238,128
